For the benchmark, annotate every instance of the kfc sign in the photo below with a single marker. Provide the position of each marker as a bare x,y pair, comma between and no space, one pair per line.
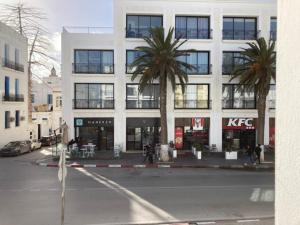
239,123
198,123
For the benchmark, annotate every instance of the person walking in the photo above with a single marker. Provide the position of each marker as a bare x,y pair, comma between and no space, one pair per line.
249,153
257,152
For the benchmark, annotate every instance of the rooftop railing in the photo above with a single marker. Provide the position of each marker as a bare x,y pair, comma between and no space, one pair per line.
88,30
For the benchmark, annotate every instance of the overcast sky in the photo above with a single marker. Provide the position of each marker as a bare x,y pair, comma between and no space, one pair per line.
93,13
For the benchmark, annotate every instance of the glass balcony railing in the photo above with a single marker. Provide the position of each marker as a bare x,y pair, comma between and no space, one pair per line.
13,98
240,34
12,65
239,104
93,104
193,33
93,68
192,104
142,104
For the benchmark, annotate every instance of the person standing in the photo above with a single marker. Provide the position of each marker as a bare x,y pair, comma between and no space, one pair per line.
249,153
257,152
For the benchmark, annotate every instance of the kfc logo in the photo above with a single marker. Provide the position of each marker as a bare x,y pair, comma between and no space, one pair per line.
239,123
198,123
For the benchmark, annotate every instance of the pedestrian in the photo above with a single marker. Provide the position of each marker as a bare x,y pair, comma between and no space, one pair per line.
149,154
249,153
257,152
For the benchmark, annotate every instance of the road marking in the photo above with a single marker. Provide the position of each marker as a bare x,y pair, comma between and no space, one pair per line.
139,166
114,166
163,166
247,221
209,222
89,165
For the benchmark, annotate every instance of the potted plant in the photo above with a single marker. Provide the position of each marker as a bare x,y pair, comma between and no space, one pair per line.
199,149
229,154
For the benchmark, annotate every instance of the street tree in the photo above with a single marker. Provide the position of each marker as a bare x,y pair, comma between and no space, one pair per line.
256,73
159,61
28,21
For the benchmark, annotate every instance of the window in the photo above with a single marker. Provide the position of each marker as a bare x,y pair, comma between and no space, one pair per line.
17,56
131,55
230,61
272,96
192,27
7,119
273,29
94,61
94,96
200,61
196,96
49,99
58,101
17,88
17,120
6,88
32,98
239,28
138,26
236,96
6,52
148,99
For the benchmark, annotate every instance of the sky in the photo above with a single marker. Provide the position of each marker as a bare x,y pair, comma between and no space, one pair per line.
92,13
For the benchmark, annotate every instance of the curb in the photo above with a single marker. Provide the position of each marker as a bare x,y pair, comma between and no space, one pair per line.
156,166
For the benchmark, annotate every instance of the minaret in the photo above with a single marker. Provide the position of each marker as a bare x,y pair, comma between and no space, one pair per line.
53,72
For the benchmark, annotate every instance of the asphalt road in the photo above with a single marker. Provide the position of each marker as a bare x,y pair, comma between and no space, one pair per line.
30,195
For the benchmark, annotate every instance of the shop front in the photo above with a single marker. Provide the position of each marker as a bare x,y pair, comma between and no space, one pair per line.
98,131
142,131
238,133
191,131
272,132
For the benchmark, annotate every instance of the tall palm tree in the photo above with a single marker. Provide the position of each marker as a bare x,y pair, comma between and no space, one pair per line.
256,73
159,61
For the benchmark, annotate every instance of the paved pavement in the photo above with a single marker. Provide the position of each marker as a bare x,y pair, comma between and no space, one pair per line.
30,195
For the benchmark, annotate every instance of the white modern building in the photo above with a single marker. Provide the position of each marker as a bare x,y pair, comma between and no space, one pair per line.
13,86
47,105
102,105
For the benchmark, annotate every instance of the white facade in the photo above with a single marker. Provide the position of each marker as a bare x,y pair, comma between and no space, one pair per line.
262,10
47,105
13,86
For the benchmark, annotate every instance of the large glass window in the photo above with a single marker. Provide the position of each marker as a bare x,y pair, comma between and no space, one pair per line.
148,99
236,96
131,55
200,61
192,27
7,119
273,29
17,119
196,96
94,61
230,61
94,96
272,96
239,28
138,26
50,99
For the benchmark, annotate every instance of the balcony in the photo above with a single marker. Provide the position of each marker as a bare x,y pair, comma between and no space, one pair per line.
240,34
93,104
12,65
200,69
193,33
239,104
273,35
13,98
93,68
192,104
143,104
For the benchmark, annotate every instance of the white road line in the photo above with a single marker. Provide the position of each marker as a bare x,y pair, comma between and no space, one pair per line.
114,166
209,222
247,221
89,165
163,166
139,166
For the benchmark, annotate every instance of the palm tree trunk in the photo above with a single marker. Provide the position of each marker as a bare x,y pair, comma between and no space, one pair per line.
163,120
261,108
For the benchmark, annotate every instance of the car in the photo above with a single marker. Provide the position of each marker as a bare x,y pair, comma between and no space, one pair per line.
48,140
15,148
35,144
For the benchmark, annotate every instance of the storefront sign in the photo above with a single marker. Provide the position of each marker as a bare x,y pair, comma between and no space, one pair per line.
93,122
239,123
198,123
178,137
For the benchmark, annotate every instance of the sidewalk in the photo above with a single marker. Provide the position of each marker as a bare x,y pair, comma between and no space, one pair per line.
135,160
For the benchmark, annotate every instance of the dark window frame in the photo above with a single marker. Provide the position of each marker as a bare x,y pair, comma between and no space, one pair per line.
126,65
138,26
74,101
157,84
232,64
233,30
195,84
7,119
208,64
197,17
101,63
17,118
273,33
232,100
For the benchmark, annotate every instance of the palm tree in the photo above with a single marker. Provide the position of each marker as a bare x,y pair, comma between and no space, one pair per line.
159,61
256,73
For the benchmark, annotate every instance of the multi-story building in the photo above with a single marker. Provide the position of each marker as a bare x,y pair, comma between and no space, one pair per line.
47,106
13,86
102,105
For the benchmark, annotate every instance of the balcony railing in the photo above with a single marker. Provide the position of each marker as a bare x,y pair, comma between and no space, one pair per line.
192,104
239,104
200,69
240,34
142,104
227,69
13,98
93,68
12,65
273,35
193,33
137,32
93,104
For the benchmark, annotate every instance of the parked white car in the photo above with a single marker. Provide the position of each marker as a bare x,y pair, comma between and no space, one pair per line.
35,144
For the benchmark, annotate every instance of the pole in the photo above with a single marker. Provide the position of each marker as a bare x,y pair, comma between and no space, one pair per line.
63,189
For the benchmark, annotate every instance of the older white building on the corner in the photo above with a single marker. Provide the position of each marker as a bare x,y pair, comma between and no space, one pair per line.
102,105
13,86
47,106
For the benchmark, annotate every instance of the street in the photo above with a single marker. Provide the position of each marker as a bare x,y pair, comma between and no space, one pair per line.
30,195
